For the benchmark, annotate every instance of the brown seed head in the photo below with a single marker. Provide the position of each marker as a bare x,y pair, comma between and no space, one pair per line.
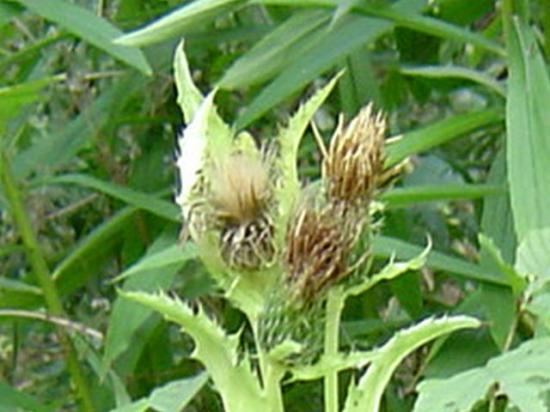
317,247
355,158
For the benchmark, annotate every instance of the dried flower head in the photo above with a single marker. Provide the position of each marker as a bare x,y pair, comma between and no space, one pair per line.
239,188
355,158
318,244
239,195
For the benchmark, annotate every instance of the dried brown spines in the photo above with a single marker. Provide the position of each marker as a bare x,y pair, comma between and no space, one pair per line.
355,159
318,244
248,246
321,238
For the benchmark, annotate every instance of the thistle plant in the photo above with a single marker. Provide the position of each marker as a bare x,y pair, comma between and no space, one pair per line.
287,256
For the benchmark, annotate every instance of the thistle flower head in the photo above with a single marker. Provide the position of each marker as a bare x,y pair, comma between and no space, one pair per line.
318,243
355,158
239,197
239,188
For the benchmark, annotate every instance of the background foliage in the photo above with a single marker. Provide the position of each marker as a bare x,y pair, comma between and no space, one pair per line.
87,130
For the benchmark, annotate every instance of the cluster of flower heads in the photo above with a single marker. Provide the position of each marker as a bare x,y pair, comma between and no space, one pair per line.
321,236
235,199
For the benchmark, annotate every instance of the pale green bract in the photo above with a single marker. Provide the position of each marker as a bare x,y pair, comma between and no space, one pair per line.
192,150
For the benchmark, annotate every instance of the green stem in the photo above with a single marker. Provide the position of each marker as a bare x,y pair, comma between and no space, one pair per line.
273,376
41,271
335,304
271,373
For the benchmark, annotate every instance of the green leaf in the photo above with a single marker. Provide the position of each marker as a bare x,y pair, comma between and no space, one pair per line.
60,148
175,254
13,400
200,113
141,405
189,96
386,246
497,221
527,124
499,305
516,281
391,271
144,201
351,33
178,21
17,286
233,378
443,72
407,196
127,318
289,140
90,353
89,27
7,11
276,50
522,375
440,132
365,395
13,98
403,18
499,302
334,363
81,263
533,254
175,395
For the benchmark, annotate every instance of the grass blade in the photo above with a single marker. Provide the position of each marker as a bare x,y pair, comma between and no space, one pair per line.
443,72
406,196
438,133
352,33
276,50
176,22
144,201
91,28
387,247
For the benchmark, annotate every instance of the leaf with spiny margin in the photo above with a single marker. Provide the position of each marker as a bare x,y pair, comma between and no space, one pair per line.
390,271
325,365
522,374
189,96
217,133
366,394
232,375
289,140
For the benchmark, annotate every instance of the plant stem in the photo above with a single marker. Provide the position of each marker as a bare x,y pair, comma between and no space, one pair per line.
273,376
271,373
40,268
335,304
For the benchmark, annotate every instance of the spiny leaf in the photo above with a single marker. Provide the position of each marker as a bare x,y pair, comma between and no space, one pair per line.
366,394
289,140
238,386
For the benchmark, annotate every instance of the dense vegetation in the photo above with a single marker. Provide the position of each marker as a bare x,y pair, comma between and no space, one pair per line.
90,232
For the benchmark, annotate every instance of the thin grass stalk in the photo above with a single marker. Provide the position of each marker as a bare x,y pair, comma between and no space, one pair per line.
40,268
